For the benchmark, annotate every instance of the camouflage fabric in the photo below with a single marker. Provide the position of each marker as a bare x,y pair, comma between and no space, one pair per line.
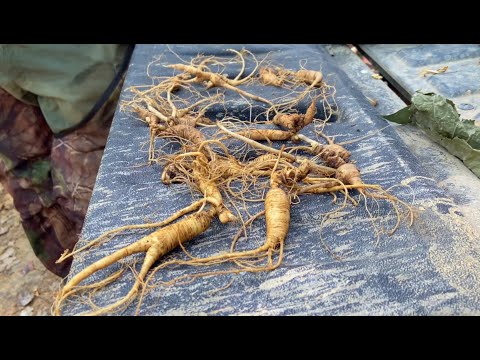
50,178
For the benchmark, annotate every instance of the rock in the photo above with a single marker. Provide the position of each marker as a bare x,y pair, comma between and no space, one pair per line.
8,259
28,311
42,312
28,267
25,298
9,252
3,230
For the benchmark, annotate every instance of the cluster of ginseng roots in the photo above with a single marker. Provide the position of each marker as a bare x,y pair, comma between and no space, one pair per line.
213,158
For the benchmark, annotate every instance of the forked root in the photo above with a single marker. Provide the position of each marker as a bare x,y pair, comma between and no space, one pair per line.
153,245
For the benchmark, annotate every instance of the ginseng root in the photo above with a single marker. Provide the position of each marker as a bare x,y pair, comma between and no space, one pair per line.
154,245
277,217
296,122
267,76
214,79
266,134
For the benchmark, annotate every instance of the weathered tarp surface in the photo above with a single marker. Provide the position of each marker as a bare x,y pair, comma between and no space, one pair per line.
430,268
403,64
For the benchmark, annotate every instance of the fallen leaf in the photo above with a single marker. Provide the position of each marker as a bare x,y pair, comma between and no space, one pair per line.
438,117
377,76
433,72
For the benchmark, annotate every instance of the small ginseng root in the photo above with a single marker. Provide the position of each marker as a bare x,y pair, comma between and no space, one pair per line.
207,186
268,76
277,76
296,122
198,172
310,77
266,134
217,80
332,154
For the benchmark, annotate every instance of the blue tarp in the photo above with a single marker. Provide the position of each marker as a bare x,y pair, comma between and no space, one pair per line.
429,268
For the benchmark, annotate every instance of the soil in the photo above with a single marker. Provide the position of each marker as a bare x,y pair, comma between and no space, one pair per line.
26,287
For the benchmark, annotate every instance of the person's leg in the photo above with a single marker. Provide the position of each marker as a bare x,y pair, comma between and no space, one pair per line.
75,161
51,178
25,172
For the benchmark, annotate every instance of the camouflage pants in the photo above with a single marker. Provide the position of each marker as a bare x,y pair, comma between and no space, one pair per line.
50,178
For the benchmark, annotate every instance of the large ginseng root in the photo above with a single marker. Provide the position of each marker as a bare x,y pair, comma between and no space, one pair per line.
277,217
154,245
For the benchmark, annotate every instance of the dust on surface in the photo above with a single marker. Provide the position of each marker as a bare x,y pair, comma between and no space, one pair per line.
457,260
26,286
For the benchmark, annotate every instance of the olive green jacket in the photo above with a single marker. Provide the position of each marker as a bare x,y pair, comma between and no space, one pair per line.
67,81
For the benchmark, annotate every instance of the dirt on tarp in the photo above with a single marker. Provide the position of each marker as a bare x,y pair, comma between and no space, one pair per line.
26,286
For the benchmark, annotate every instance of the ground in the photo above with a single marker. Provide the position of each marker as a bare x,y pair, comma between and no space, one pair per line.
26,286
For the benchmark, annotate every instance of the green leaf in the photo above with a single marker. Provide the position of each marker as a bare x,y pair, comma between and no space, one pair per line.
438,117
401,117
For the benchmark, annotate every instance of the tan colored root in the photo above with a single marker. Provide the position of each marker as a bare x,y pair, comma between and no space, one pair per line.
193,207
217,80
266,134
334,155
255,144
267,76
186,132
154,245
277,215
209,188
350,175
296,122
292,122
190,120
310,77
320,188
310,113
